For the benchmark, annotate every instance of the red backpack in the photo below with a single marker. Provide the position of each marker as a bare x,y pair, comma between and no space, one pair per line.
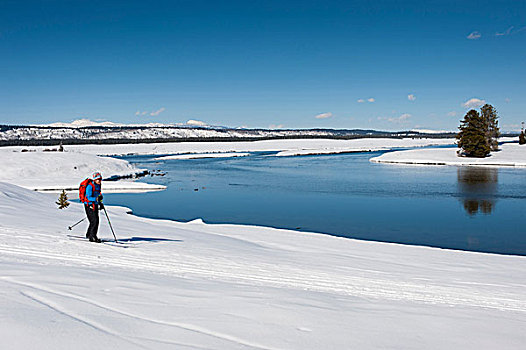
82,190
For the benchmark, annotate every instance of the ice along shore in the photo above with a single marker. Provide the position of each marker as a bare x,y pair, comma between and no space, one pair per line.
510,155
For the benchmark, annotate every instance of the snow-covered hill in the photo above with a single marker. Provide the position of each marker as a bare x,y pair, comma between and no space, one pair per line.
183,286
97,131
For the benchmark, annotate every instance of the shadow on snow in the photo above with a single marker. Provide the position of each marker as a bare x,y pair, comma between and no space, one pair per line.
147,239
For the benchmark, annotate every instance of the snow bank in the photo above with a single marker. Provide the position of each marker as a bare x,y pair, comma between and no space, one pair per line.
65,170
191,285
204,155
509,155
33,168
298,145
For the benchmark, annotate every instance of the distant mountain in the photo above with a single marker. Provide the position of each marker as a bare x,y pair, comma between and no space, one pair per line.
84,123
427,131
87,131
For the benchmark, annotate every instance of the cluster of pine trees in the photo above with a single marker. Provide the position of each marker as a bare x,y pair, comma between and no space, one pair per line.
479,132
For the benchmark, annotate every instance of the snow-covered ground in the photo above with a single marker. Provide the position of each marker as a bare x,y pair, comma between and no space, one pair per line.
298,145
197,286
65,170
191,285
510,154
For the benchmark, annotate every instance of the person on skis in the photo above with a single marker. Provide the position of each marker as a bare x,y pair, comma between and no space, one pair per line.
92,204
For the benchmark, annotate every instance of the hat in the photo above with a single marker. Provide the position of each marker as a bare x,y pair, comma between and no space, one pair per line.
96,176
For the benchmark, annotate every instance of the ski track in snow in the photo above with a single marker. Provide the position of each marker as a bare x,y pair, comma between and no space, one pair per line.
198,286
62,310
266,274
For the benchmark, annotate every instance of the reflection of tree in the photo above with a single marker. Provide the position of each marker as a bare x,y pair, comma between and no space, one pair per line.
477,188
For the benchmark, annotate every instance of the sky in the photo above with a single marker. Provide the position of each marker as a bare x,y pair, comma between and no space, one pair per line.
384,65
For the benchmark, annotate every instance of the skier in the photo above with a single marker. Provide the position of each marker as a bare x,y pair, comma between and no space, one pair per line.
92,204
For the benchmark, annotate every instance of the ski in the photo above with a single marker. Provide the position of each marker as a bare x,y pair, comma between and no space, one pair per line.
103,241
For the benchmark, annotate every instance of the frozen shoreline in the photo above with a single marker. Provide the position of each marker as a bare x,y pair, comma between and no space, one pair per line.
34,168
299,145
57,171
205,155
510,155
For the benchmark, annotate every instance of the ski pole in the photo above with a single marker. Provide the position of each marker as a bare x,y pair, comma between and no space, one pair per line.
107,217
70,227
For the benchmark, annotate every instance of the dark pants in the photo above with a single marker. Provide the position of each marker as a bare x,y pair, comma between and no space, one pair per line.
92,212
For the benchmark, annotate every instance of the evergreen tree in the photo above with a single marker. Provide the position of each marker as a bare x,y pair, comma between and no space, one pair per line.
522,138
489,116
62,200
472,136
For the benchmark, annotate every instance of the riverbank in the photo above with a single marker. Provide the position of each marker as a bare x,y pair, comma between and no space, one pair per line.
193,285
315,146
509,155
57,171
38,168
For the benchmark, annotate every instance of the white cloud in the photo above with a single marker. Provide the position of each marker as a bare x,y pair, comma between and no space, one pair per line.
196,122
153,114
411,97
157,112
274,126
397,120
473,103
371,100
452,114
361,100
474,36
507,32
323,115
404,117
510,31
507,100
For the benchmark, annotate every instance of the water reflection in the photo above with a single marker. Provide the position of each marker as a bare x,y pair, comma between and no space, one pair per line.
478,188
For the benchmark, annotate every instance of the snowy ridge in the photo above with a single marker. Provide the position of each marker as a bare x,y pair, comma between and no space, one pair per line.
84,123
193,285
85,129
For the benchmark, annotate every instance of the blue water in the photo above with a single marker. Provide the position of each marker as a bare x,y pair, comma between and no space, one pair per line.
477,209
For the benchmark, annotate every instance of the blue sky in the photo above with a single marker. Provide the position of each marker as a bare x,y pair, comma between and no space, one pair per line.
387,65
